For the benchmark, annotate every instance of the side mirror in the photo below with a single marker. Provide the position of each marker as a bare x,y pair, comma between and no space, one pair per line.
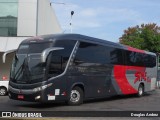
46,52
5,54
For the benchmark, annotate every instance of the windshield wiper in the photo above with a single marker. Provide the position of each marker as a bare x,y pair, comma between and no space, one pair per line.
19,70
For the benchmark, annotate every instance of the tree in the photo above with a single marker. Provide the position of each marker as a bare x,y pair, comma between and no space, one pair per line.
145,37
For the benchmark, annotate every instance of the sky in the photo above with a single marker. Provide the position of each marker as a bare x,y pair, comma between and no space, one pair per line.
105,19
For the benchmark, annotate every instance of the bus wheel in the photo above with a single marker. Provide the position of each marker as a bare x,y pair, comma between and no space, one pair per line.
76,96
3,91
140,90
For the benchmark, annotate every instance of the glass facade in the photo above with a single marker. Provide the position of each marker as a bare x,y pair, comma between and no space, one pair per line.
8,17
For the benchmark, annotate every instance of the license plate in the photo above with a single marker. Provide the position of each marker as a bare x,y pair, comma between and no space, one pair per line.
20,97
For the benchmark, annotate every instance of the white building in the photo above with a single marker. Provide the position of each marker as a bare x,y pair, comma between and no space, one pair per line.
20,19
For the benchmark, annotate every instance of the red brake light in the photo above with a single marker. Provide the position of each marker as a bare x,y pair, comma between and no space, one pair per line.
4,78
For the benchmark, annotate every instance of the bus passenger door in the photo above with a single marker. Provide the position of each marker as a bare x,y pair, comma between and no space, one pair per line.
55,67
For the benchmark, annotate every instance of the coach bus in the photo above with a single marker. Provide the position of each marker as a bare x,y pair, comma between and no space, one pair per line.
74,68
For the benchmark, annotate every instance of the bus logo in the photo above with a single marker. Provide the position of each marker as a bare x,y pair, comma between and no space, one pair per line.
141,76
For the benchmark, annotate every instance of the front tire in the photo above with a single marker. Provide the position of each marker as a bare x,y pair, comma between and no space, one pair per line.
76,96
140,90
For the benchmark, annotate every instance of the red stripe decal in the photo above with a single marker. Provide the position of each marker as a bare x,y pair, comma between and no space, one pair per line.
135,50
121,79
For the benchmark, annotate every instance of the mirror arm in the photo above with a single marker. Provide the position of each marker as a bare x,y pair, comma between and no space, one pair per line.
46,52
5,54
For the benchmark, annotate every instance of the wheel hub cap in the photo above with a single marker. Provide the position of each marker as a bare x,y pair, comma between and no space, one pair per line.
75,96
2,91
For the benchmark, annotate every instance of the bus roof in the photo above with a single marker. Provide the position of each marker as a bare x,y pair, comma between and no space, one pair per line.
76,37
83,38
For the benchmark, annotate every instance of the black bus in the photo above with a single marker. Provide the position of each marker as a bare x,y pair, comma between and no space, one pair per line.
73,68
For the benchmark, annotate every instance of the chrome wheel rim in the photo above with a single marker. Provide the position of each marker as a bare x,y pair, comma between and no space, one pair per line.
140,91
75,96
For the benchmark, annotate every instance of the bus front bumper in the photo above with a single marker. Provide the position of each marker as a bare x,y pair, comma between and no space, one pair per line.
32,96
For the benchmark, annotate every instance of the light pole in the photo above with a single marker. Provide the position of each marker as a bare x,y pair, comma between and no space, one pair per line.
57,3
72,12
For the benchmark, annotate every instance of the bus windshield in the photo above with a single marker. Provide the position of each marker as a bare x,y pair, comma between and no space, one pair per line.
28,68
26,64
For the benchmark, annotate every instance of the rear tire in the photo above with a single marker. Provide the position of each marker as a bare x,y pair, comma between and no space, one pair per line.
76,96
3,91
140,90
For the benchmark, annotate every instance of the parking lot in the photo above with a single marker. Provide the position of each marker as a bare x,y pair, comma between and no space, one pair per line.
149,102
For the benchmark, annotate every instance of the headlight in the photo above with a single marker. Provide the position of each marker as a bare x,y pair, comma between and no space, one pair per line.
37,89
42,87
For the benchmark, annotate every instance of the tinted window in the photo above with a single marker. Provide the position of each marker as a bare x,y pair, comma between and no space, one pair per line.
115,55
93,53
139,59
23,49
58,59
8,17
33,48
39,47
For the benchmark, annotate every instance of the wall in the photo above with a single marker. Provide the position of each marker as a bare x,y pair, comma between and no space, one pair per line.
27,17
9,43
47,20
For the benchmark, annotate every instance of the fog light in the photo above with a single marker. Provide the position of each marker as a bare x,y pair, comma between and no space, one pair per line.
9,95
38,97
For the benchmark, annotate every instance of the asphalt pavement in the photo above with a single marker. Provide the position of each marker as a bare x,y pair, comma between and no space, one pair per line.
117,104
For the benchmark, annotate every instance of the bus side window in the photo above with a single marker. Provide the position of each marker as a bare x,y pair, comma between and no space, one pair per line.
140,59
58,59
89,53
55,66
